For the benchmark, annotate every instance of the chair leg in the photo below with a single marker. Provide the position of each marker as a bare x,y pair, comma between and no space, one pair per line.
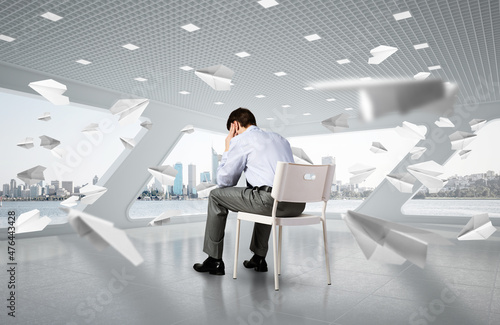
275,256
280,228
327,260
236,248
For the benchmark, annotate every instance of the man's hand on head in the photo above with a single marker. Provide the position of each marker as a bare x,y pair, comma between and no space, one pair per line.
232,133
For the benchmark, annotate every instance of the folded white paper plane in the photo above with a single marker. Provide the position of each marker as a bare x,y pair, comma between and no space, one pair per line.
26,143
422,75
477,124
417,152
101,233
403,182
71,201
464,154
188,129
460,140
31,221
164,174
48,142
33,175
218,76
129,143
147,125
360,172
479,227
129,109
300,156
427,173
411,131
91,128
444,122
389,242
51,90
381,53
377,147
164,217
45,117
203,189
91,193
337,122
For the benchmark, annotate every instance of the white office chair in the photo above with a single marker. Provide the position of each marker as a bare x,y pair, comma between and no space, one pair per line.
293,183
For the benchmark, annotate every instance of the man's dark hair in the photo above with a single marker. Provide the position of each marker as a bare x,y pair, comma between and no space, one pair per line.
243,116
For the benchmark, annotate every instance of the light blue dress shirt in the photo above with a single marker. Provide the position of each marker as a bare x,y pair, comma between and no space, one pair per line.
255,152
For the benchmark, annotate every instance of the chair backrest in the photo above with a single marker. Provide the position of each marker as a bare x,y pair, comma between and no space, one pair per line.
302,183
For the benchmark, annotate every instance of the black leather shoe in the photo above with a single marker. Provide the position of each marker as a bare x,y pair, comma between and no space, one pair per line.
210,265
258,263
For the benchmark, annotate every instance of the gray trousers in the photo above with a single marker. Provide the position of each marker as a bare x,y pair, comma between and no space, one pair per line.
236,199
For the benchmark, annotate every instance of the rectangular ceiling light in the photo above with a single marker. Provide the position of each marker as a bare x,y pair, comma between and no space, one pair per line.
130,46
50,16
312,37
331,100
280,74
270,118
184,92
242,54
434,67
285,106
186,68
402,15
260,96
267,3
190,27
306,114
348,109
6,38
308,88
421,46
140,79
218,103
84,62
343,61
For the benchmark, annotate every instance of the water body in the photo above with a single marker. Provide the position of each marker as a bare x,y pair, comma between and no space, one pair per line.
148,209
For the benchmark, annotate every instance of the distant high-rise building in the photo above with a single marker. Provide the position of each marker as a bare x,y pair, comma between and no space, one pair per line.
68,186
35,190
95,180
13,188
6,190
329,160
178,179
215,166
191,188
56,184
204,177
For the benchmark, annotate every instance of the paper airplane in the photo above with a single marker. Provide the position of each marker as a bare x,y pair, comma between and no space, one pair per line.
91,128
377,147
479,227
218,76
427,173
422,75
360,172
92,193
389,242
129,143
443,122
26,143
403,182
31,221
33,175
129,109
460,140
71,201
51,90
165,174
45,117
188,129
382,97
48,142
336,123
417,152
204,189
147,125
164,217
476,124
58,152
380,53
102,233
411,131
464,154
300,156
